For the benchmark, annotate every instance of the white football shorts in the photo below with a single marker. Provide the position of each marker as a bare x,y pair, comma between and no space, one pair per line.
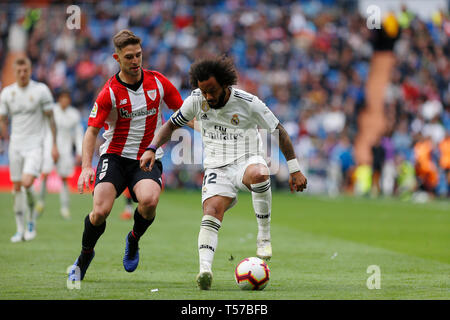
227,180
64,166
28,161
48,164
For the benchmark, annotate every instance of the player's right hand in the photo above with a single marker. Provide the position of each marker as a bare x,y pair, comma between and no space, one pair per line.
147,160
85,179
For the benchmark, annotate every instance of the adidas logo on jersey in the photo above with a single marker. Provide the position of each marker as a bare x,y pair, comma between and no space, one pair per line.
123,101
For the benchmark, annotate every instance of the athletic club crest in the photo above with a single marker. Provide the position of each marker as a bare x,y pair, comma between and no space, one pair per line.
235,119
152,94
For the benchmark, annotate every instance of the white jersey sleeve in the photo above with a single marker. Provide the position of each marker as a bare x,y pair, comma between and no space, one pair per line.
46,98
187,111
3,103
263,116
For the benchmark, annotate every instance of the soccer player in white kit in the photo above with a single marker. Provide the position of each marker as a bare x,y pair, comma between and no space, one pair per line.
70,134
28,103
233,159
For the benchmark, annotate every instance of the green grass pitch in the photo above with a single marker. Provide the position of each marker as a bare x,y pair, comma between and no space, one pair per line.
322,249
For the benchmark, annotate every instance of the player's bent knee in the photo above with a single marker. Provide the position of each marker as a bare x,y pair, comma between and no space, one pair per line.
149,201
98,217
28,182
256,173
258,178
215,211
100,212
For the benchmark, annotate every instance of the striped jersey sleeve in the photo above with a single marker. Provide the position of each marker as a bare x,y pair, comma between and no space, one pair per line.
171,97
101,108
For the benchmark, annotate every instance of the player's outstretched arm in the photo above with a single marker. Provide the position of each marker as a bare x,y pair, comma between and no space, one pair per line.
87,174
162,136
297,181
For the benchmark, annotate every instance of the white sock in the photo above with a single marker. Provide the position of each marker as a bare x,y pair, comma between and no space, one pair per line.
30,202
64,195
207,242
19,206
43,191
262,203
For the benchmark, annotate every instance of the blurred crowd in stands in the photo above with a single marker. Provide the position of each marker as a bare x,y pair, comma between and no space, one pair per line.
307,60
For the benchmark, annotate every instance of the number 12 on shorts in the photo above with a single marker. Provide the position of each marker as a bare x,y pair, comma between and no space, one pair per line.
210,178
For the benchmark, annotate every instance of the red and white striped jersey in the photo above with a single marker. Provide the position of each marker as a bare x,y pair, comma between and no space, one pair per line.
130,118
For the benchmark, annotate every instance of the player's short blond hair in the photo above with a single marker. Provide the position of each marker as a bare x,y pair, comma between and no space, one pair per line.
22,60
124,38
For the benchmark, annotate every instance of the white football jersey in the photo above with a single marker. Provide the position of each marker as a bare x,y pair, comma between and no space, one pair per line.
69,130
229,133
26,108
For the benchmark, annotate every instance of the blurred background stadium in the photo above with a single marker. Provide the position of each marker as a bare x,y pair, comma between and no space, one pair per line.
310,61
368,111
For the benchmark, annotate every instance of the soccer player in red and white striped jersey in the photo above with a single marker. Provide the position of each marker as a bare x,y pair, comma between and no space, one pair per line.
129,108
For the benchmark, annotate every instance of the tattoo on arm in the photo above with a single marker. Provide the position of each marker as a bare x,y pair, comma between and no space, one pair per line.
286,143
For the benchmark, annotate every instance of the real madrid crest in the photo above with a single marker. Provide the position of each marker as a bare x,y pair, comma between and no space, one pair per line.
235,119
205,106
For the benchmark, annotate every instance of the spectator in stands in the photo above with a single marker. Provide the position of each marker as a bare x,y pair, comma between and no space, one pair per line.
320,56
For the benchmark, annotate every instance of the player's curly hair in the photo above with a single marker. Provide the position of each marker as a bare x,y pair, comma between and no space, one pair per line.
222,68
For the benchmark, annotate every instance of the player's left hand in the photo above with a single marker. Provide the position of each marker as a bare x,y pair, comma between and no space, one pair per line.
297,181
147,161
55,153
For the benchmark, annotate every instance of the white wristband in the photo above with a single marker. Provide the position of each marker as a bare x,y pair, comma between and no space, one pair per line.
293,165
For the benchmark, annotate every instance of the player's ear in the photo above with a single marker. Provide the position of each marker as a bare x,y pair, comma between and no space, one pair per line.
116,56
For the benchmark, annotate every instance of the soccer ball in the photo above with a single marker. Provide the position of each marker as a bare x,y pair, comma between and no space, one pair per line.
252,274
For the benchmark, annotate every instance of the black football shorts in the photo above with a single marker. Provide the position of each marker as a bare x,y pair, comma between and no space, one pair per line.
123,172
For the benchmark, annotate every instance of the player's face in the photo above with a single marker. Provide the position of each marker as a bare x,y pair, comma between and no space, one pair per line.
23,74
213,92
64,101
130,59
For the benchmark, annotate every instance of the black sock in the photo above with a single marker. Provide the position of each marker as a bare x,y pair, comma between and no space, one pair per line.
140,226
91,234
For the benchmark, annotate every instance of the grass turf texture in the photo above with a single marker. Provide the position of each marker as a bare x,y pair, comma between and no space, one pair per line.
322,248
